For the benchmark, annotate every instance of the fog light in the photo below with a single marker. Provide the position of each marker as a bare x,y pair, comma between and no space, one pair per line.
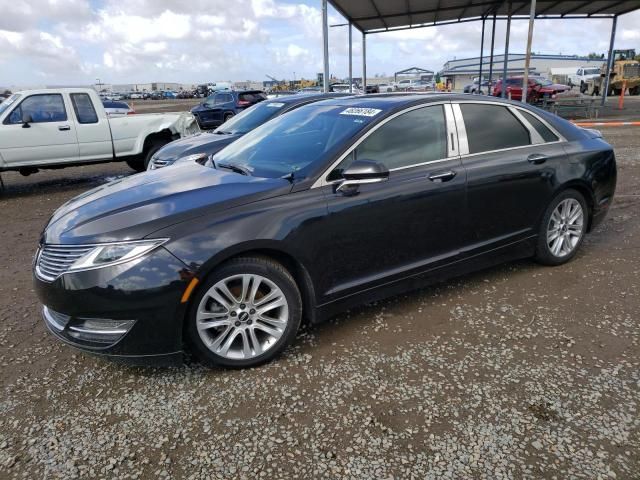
101,330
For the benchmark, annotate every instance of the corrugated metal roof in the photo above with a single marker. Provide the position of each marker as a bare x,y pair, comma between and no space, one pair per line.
379,15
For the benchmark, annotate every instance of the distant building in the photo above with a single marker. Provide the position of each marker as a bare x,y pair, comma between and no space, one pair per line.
462,71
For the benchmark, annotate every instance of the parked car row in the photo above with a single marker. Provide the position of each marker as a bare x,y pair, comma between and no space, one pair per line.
311,206
220,106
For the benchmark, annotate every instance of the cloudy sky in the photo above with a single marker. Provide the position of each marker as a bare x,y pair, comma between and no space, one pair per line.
139,41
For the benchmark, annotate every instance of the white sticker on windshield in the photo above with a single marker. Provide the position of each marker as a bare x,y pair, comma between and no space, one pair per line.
275,104
361,112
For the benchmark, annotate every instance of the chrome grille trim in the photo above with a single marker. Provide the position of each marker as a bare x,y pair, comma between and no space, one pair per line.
55,260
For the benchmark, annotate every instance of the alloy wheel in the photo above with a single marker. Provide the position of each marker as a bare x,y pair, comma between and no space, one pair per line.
242,316
566,227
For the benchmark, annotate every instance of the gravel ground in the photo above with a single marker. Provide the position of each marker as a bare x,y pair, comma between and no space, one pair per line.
520,371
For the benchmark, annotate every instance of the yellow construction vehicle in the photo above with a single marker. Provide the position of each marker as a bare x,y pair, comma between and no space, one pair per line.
625,73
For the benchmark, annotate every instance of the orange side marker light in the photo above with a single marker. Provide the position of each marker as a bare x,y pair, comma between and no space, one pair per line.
189,290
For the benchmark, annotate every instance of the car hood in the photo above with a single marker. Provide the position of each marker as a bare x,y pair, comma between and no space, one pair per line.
199,143
134,207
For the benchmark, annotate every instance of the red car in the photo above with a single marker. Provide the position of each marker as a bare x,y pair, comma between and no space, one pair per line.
539,88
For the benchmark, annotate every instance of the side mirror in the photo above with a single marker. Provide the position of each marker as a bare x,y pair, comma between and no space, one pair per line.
360,172
26,120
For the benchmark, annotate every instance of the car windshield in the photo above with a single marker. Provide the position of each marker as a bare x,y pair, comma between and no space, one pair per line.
295,141
8,102
251,118
542,81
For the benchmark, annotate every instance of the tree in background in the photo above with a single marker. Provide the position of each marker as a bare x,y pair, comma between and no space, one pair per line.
595,56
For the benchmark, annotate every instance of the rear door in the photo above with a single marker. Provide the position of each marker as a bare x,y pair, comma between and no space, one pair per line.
50,137
410,223
93,131
510,156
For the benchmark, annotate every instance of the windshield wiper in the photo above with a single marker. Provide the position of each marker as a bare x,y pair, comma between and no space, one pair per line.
234,168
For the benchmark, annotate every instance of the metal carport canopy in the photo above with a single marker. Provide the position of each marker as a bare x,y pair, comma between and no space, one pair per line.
370,16
373,16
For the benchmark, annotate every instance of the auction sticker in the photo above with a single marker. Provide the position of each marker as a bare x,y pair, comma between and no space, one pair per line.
361,112
275,104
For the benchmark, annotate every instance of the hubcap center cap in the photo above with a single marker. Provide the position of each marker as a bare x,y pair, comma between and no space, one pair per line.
243,317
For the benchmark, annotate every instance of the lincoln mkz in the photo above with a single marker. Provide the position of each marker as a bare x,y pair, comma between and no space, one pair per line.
336,203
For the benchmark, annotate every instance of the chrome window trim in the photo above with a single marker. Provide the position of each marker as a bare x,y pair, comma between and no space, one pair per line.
322,179
460,123
534,136
463,140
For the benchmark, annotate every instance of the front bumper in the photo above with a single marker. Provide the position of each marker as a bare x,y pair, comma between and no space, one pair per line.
130,311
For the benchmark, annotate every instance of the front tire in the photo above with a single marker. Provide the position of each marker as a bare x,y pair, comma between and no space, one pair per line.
245,314
141,163
562,229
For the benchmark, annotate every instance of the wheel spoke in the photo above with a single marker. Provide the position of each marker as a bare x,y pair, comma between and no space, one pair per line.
246,284
213,324
552,235
557,245
213,293
275,303
227,344
257,348
268,330
227,293
575,216
204,314
246,347
276,322
257,281
267,298
220,338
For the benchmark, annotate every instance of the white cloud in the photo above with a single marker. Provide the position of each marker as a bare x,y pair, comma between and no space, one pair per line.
74,41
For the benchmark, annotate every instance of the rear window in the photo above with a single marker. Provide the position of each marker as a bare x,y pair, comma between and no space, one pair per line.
503,130
546,134
252,97
110,104
82,105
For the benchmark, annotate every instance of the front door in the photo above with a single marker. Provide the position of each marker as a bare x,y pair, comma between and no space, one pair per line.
50,136
412,222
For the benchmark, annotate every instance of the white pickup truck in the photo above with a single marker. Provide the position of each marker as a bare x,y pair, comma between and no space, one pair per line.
582,76
55,128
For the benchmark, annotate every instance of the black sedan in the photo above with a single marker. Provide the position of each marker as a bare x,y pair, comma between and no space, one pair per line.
197,148
333,204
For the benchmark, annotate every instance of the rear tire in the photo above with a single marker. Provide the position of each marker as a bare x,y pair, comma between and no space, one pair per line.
227,116
563,228
248,330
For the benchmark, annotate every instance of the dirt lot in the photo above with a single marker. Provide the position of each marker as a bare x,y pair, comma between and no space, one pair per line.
520,371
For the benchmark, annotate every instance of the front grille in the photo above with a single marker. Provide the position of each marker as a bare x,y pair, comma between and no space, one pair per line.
54,260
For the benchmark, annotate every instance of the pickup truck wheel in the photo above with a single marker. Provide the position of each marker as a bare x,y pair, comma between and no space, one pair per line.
140,163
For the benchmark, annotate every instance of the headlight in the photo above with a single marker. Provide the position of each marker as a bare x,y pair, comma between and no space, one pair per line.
196,157
114,253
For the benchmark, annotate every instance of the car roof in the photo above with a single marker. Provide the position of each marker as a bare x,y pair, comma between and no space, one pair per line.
398,100
307,98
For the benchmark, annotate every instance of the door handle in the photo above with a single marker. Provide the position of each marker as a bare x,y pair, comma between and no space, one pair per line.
442,176
537,158
62,128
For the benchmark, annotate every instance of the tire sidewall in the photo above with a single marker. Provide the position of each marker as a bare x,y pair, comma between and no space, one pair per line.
543,253
155,146
257,266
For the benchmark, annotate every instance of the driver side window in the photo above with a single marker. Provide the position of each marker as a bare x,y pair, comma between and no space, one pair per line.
413,138
42,108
